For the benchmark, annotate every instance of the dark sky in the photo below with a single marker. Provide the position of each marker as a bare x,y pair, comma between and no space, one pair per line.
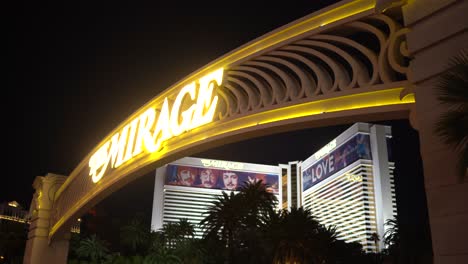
80,68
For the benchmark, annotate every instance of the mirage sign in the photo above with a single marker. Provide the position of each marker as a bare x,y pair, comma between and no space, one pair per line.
193,107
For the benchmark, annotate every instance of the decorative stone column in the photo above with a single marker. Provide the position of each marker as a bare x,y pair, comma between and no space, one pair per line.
38,248
438,31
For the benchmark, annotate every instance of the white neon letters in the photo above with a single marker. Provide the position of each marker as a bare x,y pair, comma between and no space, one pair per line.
228,165
190,109
325,150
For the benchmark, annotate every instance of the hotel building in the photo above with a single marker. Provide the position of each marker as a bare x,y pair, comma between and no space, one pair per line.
347,184
181,193
14,212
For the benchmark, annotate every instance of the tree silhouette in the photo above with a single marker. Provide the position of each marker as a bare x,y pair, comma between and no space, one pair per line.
246,227
392,234
452,127
375,238
296,239
175,232
222,221
135,236
93,248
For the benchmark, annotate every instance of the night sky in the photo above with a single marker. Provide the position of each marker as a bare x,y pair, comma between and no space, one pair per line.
80,68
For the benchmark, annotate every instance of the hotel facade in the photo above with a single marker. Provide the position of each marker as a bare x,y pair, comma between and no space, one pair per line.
181,192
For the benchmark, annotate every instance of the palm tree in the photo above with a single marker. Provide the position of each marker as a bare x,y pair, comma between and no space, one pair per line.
452,126
92,248
323,244
347,252
236,219
176,232
164,255
156,241
258,201
135,236
375,238
170,234
186,229
223,221
191,251
392,238
247,229
392,234
297,229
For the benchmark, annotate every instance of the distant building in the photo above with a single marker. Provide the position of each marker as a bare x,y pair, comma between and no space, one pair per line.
13,211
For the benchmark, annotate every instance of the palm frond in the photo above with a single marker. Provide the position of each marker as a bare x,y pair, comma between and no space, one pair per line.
452,84
452,126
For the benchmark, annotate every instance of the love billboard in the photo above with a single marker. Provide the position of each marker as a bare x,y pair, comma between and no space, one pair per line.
358,147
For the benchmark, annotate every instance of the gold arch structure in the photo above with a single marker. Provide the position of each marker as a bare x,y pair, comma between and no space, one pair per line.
342,64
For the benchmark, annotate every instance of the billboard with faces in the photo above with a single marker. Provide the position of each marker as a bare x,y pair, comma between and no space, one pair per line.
358,147
204,177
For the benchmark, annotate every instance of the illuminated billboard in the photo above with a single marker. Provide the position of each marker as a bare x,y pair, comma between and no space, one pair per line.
222,179
358,147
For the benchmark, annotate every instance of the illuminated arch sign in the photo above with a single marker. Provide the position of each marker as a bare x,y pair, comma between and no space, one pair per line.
299,76
146,132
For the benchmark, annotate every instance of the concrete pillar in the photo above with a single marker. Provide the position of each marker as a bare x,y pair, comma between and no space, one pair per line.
382,185
438,32
158,199
38,249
